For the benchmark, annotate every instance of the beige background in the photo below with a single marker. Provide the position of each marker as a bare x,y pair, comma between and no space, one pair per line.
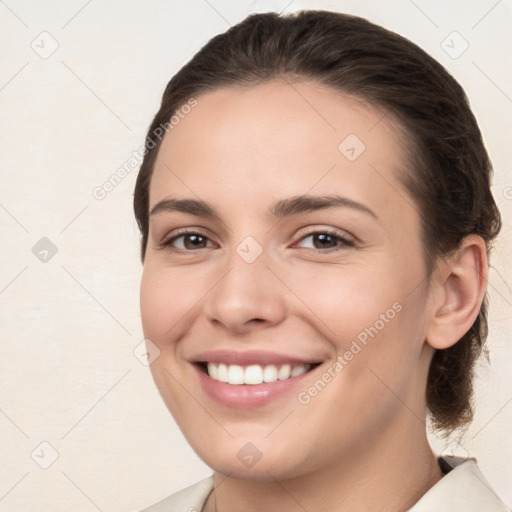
70,323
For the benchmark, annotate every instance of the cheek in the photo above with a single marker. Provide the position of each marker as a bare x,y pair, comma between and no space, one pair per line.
372,318
166,297
344,300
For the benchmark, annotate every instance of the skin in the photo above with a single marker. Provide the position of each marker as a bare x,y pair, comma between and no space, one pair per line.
241,149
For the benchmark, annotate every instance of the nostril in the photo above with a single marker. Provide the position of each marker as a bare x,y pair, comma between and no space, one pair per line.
257,320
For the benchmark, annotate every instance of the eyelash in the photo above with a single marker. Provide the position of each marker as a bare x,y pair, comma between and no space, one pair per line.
344,242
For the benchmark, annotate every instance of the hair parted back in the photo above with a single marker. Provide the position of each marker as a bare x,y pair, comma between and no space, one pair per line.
448,170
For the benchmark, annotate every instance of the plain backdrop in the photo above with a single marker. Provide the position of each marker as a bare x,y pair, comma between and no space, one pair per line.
82,425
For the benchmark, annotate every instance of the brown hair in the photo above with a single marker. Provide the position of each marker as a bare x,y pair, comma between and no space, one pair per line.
449,173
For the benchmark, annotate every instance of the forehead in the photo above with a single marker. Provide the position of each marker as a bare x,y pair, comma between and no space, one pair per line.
280,139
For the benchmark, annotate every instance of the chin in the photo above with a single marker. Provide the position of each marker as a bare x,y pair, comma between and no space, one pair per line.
243,459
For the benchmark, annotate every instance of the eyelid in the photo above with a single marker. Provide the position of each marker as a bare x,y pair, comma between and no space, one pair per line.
313,230
167,239
345,241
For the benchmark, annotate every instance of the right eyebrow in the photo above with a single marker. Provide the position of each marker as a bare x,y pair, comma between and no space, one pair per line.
191,206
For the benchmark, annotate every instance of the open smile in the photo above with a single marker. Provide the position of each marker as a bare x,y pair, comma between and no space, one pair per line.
254,374
250,379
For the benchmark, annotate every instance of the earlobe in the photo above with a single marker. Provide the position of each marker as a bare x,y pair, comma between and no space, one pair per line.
458,288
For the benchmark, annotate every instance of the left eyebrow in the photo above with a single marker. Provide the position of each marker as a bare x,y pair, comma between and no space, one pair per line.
308,203
281,209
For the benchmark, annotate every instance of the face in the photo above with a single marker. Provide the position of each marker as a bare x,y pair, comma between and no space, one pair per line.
300,280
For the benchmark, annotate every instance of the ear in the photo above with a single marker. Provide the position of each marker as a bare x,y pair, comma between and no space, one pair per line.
458,289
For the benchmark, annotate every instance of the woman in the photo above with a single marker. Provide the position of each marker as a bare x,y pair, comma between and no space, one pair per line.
316,217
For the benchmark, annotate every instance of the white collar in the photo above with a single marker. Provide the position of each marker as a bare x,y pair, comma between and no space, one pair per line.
463,489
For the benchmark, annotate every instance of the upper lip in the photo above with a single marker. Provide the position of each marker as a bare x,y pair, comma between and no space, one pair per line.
248,357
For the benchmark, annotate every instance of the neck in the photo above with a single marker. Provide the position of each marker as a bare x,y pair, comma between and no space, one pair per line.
387,473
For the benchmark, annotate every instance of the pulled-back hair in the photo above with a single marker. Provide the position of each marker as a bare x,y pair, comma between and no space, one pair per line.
448,170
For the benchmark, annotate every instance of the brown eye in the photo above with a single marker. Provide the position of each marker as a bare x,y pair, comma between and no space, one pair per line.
327,240
187,241
194,241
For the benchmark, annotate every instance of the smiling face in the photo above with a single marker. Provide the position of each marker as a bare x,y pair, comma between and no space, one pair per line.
303,254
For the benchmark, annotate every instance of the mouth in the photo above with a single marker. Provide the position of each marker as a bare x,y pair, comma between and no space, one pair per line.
253,374
251,378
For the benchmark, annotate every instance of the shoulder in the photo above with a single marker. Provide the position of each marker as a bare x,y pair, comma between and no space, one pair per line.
190,499
464,488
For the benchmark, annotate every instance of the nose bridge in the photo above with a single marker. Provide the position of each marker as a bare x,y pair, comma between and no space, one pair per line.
247,289
247,257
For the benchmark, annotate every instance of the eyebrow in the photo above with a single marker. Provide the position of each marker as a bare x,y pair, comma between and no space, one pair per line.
281,209
307,203
192,206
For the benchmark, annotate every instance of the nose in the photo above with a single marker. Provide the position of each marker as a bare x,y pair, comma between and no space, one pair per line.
248,296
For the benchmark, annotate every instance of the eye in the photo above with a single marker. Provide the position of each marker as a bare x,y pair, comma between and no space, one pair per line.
186,240
327,240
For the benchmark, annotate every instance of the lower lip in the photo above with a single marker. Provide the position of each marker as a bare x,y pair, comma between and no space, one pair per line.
247,395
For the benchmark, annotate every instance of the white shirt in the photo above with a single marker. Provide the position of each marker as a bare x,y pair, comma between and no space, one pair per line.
463,489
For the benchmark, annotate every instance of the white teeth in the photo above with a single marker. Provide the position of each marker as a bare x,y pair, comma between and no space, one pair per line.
269,373
222,373
254,374
235,374
284,372
298,370
213,371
